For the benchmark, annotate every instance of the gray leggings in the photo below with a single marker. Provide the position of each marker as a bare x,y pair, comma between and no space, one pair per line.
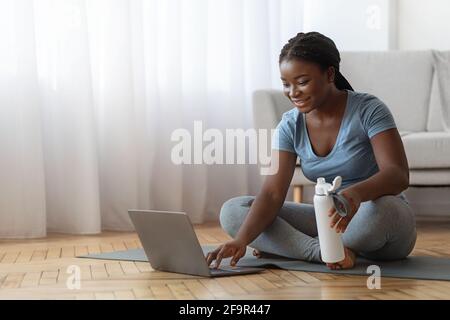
383,229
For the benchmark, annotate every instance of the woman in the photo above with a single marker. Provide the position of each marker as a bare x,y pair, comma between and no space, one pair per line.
334,131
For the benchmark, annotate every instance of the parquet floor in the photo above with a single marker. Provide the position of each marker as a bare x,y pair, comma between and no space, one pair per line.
37,269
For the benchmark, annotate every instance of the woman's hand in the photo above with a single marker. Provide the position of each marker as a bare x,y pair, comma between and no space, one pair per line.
341,223
232,248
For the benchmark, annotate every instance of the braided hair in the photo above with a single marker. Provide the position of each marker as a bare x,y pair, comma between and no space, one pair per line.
315,47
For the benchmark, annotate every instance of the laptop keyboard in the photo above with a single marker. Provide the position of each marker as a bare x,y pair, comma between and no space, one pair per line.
224,269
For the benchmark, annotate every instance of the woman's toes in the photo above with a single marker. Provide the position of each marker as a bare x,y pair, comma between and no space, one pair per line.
256,253
332,266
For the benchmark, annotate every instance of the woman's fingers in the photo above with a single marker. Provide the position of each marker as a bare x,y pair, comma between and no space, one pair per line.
225,252
219,257
238,255
334,219
342,226
331,212
211,256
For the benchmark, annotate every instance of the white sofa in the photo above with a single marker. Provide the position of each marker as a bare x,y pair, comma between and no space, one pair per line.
415,87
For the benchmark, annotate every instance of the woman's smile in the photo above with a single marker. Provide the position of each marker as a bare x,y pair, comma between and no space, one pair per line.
300,102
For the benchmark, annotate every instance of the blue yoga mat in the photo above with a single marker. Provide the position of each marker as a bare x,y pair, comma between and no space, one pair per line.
414,267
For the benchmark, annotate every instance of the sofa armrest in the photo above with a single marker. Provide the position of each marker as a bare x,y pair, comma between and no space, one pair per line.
265,114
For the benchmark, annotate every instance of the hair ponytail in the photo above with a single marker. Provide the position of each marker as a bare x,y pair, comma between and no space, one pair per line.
341,83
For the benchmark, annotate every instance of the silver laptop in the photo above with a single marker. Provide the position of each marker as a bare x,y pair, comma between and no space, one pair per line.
170,244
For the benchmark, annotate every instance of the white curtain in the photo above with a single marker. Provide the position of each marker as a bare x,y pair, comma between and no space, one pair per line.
90,92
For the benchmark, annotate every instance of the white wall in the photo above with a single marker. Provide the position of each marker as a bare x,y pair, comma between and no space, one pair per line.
423,24
404,24
359,25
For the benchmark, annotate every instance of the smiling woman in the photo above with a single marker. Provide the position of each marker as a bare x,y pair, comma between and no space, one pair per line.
335,131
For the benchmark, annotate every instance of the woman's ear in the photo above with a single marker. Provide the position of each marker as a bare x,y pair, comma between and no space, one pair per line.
331,73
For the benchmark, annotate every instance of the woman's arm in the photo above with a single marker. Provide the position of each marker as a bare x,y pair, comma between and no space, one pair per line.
393,176
268,202
391,179
263,210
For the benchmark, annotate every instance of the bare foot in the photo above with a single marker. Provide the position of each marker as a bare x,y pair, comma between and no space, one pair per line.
257,253
347,263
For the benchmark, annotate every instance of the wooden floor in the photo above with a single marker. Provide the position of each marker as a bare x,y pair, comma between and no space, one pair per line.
37,269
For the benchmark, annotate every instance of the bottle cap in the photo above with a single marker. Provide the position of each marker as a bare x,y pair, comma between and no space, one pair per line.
322,187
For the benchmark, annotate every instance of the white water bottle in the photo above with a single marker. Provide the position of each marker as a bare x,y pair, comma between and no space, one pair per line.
331,246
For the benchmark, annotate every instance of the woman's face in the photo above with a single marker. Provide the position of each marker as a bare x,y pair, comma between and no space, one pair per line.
305,83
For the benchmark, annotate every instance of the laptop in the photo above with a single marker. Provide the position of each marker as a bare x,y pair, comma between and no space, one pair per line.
170,244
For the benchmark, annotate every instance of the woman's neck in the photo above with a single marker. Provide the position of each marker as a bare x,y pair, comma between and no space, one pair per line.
333,105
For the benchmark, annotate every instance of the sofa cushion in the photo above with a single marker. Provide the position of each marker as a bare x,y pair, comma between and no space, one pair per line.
435,121
401,79
441,60
427,150
429,177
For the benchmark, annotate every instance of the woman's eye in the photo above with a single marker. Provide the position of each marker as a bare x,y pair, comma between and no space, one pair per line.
286,85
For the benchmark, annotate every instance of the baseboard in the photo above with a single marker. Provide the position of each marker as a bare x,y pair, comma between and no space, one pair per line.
434,219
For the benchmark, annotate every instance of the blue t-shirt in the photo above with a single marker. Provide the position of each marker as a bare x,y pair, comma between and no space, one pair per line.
352,156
